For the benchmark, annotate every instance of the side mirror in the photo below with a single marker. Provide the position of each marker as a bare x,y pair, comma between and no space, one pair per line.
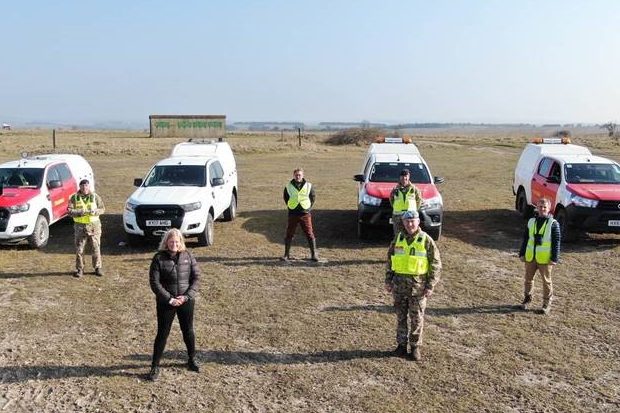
217,181
358,178
553,179
137,182
54,184
438,180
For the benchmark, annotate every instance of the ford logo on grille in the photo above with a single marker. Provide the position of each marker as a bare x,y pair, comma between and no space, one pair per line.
159,212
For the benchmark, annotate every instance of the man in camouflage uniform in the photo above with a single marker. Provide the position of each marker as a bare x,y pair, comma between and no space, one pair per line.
404,197
85,207
413,270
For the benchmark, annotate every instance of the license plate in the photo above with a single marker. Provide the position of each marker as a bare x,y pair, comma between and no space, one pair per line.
614,223
158,223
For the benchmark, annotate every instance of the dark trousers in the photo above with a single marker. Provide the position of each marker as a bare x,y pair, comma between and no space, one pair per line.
304,220
165,317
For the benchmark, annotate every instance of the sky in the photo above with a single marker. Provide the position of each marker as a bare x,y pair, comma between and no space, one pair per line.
509,61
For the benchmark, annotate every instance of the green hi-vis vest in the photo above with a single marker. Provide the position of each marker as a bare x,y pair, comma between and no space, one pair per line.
404,202
411,259
299,197
88,204
542,252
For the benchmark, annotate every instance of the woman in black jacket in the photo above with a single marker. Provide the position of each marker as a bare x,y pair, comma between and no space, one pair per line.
174,276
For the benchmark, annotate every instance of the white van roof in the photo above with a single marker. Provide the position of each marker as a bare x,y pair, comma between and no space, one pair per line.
200,148
560,149
393,148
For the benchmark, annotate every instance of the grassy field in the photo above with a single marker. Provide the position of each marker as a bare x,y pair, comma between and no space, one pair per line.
309,338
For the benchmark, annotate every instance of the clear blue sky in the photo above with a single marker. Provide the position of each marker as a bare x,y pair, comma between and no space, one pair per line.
416,61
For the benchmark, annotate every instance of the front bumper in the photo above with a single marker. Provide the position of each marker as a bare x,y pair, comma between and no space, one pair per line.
380,215
595,219
190,223
15,227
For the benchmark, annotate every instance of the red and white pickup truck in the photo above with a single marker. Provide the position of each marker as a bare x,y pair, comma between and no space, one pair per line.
35,192
584,189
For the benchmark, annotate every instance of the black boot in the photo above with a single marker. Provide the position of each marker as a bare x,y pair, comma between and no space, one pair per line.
287,250
154,373
191,364
314,253
400,351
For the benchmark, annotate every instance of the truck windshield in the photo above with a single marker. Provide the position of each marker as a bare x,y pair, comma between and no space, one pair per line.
588,173
176,175
390,172
21,177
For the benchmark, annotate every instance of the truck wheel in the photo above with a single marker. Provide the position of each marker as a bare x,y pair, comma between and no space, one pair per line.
568,234
206,238
231,212
524,209
434,232
41,233
133,240
363,232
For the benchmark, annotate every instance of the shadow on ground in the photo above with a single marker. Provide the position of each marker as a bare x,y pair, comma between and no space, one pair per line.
333,228
502,229
437,312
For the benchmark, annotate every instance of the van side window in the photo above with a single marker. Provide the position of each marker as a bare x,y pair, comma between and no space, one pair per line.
555,171
544,168
53,175
64,172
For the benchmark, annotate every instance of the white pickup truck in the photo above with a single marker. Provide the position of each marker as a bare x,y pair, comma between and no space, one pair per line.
189,190
35,193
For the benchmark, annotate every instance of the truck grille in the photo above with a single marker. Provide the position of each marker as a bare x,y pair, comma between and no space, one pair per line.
4,219
174,213
609,205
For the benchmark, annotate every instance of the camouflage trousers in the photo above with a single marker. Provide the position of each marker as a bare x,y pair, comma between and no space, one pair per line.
397,224
83,234
409,302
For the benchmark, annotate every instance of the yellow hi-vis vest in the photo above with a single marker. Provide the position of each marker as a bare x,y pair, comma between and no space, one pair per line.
404,202
542,252
411,259
299,197
88,204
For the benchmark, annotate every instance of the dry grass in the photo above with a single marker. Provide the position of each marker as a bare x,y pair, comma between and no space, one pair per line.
302,337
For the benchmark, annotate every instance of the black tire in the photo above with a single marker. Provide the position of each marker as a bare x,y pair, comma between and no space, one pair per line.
231,211
363,232
41,233
434,232
134,240
206,237
522,206
568,234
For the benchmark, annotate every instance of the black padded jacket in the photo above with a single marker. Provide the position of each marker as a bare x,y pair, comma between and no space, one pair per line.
173,276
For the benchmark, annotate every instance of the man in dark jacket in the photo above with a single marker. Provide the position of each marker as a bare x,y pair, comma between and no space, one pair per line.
540,250
299,199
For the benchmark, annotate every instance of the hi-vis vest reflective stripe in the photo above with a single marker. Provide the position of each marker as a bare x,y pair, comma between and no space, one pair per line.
542,252
410,259
301,197
404,202
87,204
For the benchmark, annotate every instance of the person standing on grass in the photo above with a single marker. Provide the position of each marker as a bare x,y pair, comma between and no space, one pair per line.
413,270
299,198
404,197
174,277
85,207
540,250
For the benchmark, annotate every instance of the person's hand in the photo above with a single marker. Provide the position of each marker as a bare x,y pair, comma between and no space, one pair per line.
427,293
182,299
553,263
389,287
175,302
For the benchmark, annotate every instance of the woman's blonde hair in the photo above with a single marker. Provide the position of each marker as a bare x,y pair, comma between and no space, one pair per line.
170,233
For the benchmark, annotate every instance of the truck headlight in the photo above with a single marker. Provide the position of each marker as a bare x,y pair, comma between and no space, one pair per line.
191,207
434,202
583,202
130,206
16,209
371,200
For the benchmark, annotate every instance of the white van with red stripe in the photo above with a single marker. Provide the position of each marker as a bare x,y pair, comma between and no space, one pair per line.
379,175
35,192
584,189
